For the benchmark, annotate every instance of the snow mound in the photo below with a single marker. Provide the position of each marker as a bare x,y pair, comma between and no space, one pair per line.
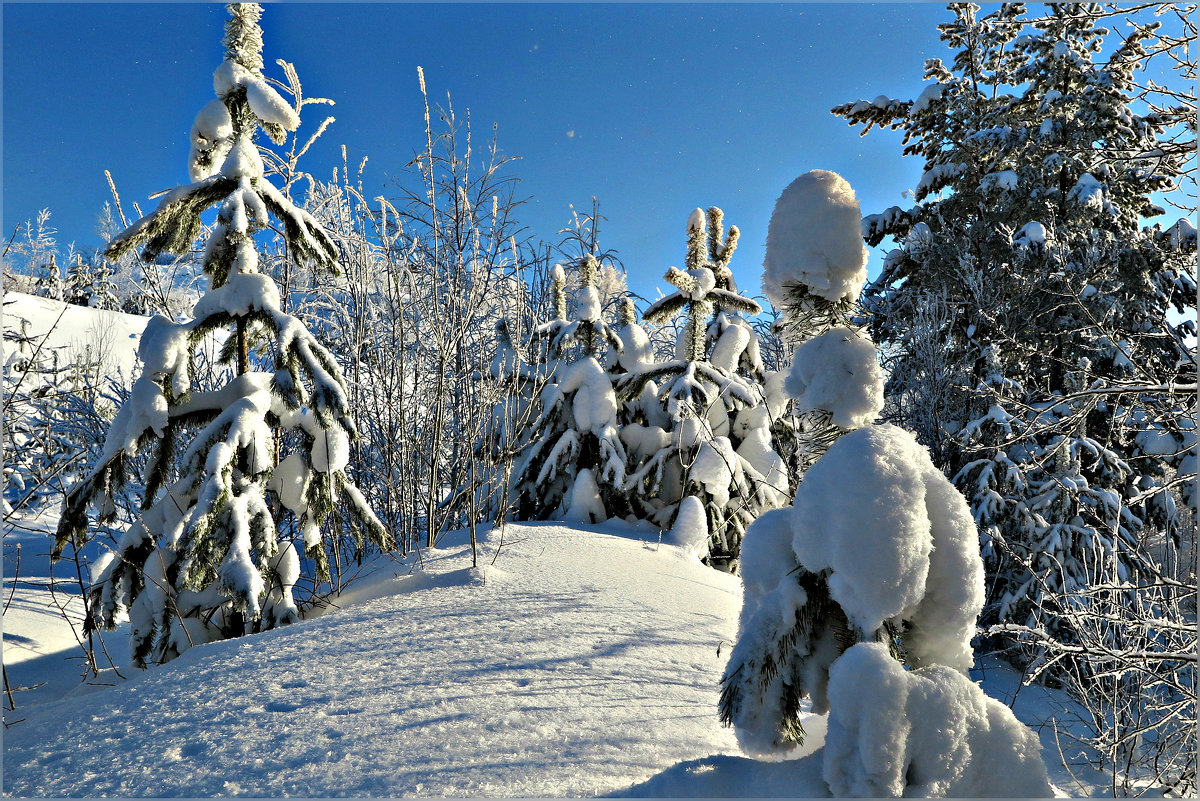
723,776
690,531
925,733
814,239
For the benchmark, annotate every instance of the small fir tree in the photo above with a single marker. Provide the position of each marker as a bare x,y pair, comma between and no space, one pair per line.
206,560
574,462
694,455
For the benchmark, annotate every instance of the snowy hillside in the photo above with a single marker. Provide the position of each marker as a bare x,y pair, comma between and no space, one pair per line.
578,663
584,661
112,337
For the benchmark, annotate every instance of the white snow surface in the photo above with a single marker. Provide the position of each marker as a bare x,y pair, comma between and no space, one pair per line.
928,95
111,336
899,539
594,404
269,106
839,372
579,663
814,239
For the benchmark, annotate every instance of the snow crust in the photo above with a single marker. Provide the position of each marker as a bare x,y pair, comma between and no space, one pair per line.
210,139
637,351
814,239
594,404
924,733
330,449
241,294
729,347
839,372
264,101
587,304
1088,192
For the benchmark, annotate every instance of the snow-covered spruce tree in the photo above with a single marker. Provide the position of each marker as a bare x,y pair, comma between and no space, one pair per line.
813,270
873,569
205,561
574,462
708,453
1026,309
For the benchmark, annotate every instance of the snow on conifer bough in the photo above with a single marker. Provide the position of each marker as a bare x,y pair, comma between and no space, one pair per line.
205,560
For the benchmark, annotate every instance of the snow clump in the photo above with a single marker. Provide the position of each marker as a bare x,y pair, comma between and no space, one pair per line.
690,531
898,539
925,733
839,372
814,239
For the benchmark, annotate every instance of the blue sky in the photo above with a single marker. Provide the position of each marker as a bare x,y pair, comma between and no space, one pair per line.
652,108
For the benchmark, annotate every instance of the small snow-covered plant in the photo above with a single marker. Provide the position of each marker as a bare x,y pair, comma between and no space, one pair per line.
716,443
588,334
573,462
206,560
878,548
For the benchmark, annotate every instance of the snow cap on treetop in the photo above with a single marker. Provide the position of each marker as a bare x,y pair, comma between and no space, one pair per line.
696,221
815,240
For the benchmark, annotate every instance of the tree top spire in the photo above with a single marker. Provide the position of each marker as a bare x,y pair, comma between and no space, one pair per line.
243,36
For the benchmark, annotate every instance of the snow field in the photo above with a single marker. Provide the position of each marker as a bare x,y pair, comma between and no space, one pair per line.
111,336
579,664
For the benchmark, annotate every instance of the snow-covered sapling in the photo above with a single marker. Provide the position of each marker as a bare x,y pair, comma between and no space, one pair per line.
206,559
574,463
878,548
701,455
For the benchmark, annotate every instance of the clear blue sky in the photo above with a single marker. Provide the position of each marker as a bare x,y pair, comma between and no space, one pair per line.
653,109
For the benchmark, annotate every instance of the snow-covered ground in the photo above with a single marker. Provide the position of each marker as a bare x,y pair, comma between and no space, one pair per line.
577,664
112,337
575,661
